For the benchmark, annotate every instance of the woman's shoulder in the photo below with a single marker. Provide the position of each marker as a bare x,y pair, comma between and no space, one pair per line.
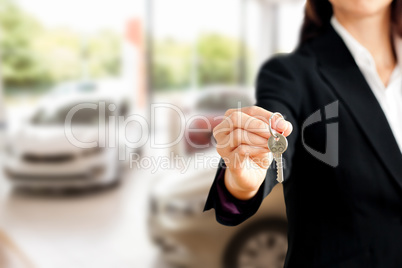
296,64
300,59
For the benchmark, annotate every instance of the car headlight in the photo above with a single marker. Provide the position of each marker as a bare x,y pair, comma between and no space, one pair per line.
184,208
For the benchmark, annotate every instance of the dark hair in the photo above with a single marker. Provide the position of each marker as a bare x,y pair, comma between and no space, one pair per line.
319,12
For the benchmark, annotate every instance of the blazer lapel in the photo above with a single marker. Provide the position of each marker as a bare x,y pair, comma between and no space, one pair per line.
339,69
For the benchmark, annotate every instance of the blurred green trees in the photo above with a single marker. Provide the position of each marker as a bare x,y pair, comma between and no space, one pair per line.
218,57
33,56
213,59
171,65
20,65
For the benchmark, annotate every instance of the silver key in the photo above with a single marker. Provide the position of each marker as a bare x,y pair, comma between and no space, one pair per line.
278,145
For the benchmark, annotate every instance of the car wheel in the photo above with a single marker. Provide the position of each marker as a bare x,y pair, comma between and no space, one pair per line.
260,245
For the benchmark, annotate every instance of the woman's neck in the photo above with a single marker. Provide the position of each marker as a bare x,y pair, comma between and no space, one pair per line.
374,33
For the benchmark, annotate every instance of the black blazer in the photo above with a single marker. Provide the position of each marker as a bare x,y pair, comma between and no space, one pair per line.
350,215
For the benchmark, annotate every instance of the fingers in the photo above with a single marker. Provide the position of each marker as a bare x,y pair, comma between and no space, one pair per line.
240,136
288,130
250,118
248,128
254,111
242,120
242,143
282,126
264,115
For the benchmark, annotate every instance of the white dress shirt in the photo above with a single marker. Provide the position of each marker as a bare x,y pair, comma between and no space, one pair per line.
390,96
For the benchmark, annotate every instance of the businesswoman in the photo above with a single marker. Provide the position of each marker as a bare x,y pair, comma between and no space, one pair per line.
340,92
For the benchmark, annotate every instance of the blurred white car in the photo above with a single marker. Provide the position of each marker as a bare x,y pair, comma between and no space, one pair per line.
2,121
41,156
2,130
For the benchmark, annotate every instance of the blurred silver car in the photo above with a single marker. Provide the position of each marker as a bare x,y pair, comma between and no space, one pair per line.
41,156
187,237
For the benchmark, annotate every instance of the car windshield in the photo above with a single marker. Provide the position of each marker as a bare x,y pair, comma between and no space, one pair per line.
84,116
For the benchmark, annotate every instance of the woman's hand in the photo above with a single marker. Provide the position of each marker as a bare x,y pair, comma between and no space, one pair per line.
242,142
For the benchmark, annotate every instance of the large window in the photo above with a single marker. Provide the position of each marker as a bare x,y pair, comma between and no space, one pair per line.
197,44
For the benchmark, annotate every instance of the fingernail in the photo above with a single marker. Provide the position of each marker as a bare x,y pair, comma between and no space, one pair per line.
281,124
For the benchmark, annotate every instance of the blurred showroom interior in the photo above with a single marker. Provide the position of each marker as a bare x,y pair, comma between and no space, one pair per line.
106,116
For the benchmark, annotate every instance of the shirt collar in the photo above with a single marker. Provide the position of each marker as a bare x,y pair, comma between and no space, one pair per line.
360,54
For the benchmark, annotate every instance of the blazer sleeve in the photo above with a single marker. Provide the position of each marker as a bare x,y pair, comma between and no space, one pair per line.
276,91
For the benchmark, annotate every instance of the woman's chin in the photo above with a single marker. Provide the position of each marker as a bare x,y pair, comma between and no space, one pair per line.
362,8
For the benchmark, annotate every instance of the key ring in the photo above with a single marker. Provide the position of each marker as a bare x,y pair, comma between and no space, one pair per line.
269,124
